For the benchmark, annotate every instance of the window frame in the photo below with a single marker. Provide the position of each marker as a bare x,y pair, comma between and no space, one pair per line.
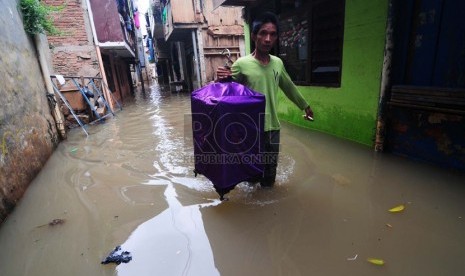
307,11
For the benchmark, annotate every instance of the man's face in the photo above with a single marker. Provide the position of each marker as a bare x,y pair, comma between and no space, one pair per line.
266,37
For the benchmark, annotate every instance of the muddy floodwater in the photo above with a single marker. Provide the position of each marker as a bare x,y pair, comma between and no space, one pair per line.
131,183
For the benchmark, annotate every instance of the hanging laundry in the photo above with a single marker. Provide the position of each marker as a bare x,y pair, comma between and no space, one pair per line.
127,22
164,15
136,19
121,6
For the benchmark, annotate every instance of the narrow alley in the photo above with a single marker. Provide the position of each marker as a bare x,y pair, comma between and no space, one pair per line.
131,183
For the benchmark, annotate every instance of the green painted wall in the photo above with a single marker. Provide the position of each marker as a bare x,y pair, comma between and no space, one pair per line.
247,38
350,111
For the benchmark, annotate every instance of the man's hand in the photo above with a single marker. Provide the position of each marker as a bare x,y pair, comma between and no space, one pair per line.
223,73
308,113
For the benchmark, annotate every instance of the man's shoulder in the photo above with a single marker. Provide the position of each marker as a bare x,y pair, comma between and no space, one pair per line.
249,58
276,59
244,59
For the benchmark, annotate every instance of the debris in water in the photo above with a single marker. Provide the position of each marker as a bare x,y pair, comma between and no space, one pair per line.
375,261
341,180
56,222
388,225
53,222
397,208
353,258
117,256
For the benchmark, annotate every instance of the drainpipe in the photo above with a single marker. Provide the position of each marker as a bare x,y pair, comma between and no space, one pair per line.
196,4
196,56
56,112
198,10
385,80
203,74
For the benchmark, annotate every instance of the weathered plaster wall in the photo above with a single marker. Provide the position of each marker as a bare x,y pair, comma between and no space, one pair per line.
27,130
350,111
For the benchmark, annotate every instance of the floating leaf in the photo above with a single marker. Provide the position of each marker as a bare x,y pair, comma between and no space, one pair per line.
375,261
397,209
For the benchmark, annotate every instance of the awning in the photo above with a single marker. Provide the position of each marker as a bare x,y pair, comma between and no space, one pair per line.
121,49
217,3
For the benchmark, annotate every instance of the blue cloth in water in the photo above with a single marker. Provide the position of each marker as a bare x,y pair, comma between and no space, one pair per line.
117,256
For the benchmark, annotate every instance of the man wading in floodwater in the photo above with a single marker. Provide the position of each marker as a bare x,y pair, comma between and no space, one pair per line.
265,73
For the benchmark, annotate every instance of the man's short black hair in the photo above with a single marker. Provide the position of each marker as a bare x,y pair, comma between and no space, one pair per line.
266,17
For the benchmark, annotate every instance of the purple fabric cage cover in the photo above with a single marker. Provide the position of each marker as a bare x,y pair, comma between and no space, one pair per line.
227,125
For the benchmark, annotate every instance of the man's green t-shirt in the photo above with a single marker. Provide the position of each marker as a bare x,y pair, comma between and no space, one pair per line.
267,79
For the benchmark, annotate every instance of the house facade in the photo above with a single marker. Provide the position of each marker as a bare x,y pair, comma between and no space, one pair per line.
190,37
98,39
388,74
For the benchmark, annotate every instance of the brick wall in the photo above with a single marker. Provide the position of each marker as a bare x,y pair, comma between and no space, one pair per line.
70,21
73,51
78,62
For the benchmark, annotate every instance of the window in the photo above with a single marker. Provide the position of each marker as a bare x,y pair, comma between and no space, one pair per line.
310,42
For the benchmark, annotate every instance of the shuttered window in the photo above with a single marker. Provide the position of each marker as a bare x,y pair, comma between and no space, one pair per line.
311,40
